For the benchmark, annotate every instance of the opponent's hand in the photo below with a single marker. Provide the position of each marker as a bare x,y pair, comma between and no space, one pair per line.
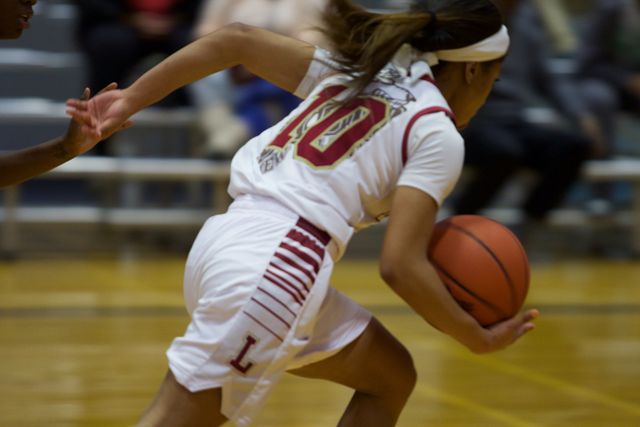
79,139
102,115
505,333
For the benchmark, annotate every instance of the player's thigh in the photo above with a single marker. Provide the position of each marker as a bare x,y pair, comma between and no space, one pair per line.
375,363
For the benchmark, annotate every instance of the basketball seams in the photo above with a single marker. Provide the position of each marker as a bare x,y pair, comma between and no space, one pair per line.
512,289
525,260
480,299
527,270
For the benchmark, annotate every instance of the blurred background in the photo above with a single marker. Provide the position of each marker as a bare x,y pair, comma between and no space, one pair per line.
92,252
559,132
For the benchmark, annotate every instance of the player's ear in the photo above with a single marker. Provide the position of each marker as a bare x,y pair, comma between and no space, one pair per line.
471,71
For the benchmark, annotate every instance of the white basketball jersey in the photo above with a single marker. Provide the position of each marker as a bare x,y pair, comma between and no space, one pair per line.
337,164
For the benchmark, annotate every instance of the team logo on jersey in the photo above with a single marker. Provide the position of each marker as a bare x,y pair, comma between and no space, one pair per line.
398,96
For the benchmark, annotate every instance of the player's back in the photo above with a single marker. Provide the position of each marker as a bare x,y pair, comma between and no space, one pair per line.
337,162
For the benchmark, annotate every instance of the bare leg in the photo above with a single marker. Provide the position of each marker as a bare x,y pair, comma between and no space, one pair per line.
380,370
175,406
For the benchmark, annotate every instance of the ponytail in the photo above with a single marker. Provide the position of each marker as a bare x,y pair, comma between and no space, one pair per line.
365,41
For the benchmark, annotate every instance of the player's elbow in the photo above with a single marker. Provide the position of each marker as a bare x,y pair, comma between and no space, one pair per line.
239,34
393,270
203,30
239,28
233,39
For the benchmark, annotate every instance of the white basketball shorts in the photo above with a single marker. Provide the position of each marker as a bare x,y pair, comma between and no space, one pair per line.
257,289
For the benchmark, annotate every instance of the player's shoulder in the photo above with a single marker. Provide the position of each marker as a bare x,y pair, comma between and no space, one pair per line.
430,104
431,120
431,129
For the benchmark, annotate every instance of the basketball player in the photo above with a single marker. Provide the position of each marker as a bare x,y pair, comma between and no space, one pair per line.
374,138
24,164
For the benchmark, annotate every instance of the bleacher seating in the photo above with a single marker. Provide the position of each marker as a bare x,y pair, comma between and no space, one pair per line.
24,121
217,173
42,69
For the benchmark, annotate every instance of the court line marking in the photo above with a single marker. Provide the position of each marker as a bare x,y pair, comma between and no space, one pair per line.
80,311
488,361
378,309
472,406
542,379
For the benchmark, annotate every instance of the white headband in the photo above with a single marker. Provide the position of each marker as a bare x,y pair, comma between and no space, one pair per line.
491,48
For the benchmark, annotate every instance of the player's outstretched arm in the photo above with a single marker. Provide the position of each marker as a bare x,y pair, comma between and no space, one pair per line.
405,268
21,165
276,58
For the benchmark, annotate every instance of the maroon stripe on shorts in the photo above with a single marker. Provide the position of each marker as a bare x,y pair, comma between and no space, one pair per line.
284,288
307,241
283,281
303,256
295,265
276,315
319,234
272,265
263,325
273,297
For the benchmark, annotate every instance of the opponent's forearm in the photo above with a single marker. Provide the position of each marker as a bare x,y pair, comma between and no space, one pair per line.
21,165
215,52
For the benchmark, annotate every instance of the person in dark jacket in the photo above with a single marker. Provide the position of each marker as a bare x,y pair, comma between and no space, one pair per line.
116,35
502,139
609,61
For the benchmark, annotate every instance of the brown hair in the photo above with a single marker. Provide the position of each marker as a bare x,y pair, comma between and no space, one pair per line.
366,41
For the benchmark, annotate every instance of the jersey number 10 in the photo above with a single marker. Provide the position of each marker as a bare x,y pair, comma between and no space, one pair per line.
328,131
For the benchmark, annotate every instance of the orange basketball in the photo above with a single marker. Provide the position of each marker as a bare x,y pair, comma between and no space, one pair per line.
483,265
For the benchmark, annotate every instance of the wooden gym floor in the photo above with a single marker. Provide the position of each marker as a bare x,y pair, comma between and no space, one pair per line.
82,344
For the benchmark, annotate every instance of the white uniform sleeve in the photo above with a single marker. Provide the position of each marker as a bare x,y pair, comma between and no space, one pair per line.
321,67
435,156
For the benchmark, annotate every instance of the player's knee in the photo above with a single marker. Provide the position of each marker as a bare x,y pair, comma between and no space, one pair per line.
409,375
401,379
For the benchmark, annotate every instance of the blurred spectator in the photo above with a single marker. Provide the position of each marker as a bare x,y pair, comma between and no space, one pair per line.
230,117
609,61
557,22
134,29
502,139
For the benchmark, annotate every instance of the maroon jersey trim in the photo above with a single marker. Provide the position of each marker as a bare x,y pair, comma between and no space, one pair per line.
412,122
